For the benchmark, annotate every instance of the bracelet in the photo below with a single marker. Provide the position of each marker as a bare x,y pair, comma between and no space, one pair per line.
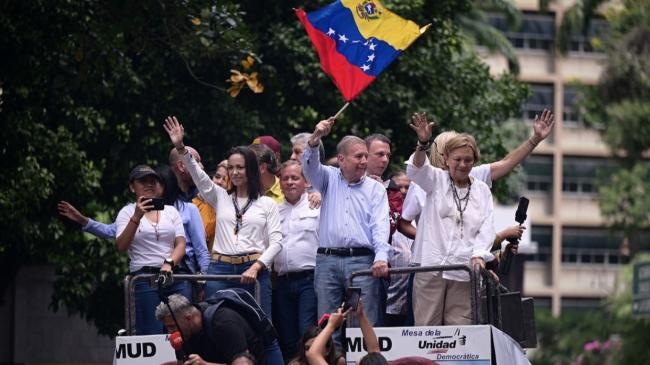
182,150
530,140
420,146
134,221
309,144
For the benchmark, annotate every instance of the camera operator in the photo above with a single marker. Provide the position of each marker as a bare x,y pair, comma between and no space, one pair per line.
216,336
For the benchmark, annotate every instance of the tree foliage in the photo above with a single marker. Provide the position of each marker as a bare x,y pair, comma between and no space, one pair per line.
86,85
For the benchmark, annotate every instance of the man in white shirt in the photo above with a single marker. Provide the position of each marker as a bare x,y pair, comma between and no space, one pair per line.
294,298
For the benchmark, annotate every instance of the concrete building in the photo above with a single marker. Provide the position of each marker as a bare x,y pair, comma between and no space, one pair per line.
577,257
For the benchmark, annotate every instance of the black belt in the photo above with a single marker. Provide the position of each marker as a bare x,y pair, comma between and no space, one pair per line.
146,270
296,275
154,270
346,251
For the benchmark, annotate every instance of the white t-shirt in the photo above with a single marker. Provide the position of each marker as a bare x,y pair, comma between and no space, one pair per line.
441,239
146,249
260,231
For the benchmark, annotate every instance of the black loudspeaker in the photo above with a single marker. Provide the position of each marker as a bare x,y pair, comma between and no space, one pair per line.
511,315
530,332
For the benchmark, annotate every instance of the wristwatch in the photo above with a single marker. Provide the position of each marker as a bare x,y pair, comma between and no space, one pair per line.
170,261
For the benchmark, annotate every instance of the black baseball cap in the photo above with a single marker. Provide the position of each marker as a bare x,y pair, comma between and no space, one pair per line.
141,171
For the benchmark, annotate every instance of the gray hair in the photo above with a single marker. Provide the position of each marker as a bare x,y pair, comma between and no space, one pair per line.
178,303
347,141
303,138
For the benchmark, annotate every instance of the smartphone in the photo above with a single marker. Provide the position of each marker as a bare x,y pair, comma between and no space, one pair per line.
352,296
158,203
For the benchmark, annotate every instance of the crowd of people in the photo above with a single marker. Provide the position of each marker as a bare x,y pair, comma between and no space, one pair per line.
301,227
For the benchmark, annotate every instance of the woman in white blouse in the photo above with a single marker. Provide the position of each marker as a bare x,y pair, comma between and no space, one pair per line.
455,228
155,240
248,233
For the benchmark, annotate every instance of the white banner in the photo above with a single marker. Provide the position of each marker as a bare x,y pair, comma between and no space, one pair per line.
444,344
144,350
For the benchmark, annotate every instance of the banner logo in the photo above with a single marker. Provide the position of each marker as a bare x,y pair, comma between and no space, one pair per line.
442,344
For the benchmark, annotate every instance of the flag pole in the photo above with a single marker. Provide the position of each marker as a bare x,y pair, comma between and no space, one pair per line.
341,110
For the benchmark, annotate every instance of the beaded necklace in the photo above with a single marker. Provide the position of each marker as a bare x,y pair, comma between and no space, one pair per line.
155,226
458,201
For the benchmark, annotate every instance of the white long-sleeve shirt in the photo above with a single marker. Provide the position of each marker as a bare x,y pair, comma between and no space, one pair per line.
438,241
260,231
300,237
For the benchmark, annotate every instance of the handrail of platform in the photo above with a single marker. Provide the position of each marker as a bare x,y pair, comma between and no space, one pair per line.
475,274
129,290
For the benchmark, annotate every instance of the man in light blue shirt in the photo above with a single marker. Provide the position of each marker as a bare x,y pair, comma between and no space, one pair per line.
354,223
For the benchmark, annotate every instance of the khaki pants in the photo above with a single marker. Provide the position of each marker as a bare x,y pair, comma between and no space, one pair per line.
438,301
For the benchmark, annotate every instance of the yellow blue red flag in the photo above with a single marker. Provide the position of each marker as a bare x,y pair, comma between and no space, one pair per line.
356,40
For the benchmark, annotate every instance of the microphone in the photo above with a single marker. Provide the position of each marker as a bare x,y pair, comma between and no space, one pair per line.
520,217
176,340
520,214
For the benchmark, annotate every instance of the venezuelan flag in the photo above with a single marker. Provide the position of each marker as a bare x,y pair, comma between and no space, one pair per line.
357,40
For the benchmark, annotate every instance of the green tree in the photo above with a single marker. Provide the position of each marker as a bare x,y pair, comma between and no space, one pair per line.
86,85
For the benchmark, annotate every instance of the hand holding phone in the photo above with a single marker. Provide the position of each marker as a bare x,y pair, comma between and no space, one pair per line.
157,203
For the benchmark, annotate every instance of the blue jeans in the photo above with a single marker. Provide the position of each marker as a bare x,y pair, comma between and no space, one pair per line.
331,281
222,268
146,301
294,305
274,354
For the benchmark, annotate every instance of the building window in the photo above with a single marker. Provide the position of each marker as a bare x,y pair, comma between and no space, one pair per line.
591,246
543,237
543,98
539,174
581,304
537,31
580,43
570,115
580,175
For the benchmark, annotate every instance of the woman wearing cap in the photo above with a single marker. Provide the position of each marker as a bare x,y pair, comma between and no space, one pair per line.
248,233
155,241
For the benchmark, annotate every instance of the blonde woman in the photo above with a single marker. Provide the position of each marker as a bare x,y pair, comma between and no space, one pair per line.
455,228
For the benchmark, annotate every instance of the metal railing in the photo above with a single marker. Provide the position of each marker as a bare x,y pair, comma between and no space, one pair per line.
492,288
129,291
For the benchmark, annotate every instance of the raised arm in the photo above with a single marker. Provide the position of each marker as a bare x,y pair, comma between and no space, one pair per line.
542,127
423,129
317,348
98,229
369,335
313,169
69,211
209,190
